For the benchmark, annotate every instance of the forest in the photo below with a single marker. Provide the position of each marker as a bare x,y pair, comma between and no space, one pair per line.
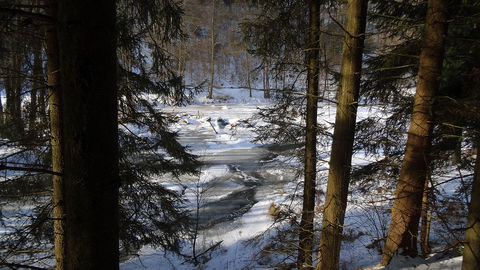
239,134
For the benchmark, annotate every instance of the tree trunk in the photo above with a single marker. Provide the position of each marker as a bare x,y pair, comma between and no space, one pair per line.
249,84
37,83
325,63
128,107
56,125
457,142
426,218
13,91
17,101
178,87
471,253
1,115
343,136
305,246
408,195
42,107
212,52
9,93
88,66
266,78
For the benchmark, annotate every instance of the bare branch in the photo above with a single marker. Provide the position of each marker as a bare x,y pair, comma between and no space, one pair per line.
26,169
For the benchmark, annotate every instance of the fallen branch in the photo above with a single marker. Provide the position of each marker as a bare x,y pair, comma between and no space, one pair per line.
209,120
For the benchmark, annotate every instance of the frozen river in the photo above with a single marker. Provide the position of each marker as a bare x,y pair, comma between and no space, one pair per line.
236,173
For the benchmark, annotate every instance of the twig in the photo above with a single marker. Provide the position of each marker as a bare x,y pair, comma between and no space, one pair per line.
209,120
207,250
21,266
26,169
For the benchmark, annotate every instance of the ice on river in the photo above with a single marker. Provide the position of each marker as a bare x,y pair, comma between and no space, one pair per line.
241,179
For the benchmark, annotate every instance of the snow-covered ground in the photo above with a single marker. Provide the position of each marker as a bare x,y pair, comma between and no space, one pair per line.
253,179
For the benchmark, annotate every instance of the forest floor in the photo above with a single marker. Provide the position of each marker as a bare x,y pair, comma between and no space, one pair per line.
244,186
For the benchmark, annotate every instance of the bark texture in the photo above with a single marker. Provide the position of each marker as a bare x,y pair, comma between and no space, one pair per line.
471,253
305,249
403,230
343,135
55,112
88,77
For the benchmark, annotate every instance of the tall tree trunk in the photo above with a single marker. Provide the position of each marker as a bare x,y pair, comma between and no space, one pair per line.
471,253
305,246
56,137
325,63
266,77
17,102
37,83
128,107
87,46
9,94
42,107
343,136
212,52
249,84
457,142
408,195
181,58
17,88
1,113
13,89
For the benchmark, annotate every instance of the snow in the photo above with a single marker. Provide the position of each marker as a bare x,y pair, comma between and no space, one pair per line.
407,263
214,130
232,95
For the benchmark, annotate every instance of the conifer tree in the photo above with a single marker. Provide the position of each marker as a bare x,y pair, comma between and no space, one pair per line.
391,69
56,132
87,50
140,158
471,253
406,212
306,233
343,136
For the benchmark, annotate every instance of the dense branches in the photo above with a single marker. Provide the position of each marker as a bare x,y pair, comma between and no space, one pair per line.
144,78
